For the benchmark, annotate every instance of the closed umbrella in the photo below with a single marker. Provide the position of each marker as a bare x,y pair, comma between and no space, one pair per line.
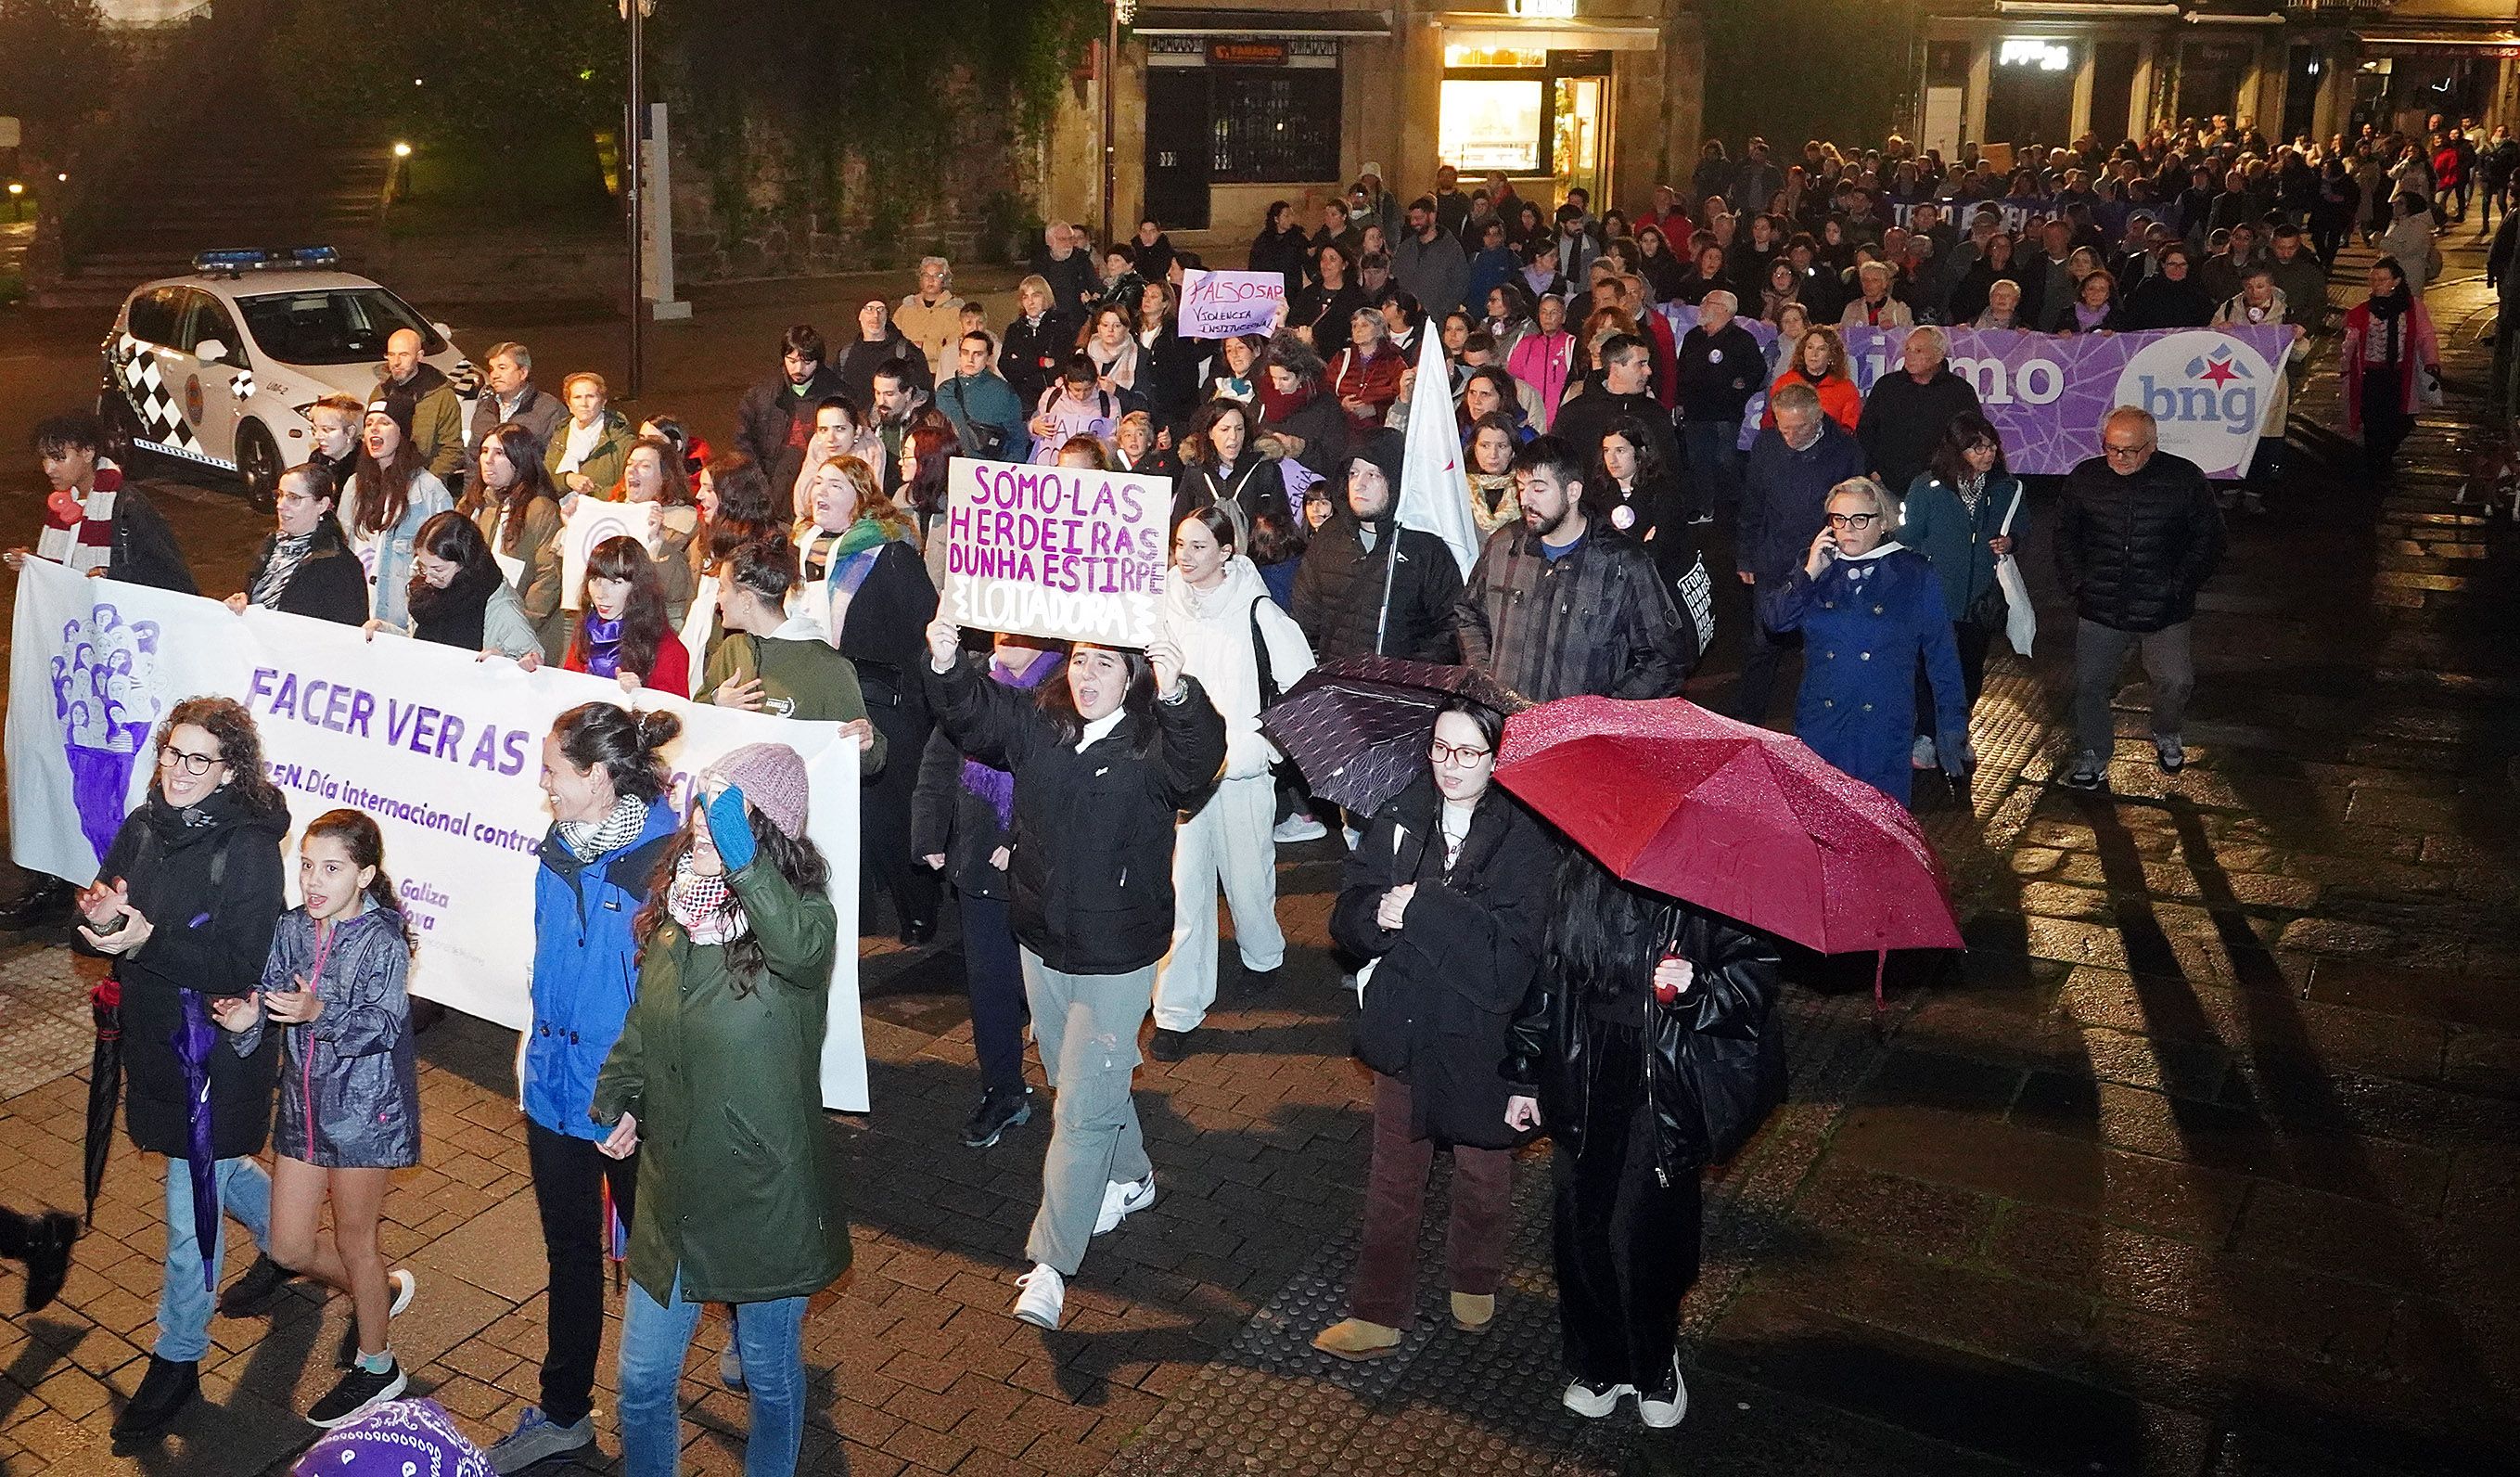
104,1084
194,1042
1357,727
1735,818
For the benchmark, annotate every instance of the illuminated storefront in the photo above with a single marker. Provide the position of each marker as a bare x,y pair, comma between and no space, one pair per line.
1221,110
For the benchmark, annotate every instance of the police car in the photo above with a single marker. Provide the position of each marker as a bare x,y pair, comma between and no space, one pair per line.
219,367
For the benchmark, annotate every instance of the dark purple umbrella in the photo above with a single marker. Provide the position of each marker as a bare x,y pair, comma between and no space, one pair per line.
1357,727
194,1042
104,1084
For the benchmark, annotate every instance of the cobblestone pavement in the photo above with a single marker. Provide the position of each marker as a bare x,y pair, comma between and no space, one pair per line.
2201,1162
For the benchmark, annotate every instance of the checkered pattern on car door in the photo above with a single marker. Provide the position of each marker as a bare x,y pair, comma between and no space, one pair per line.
153,399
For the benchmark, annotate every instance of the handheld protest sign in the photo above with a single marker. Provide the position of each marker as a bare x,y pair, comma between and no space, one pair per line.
1068,553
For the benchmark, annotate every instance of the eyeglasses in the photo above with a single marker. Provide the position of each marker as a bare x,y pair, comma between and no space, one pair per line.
1456,753
1852,519
186,760
2118,452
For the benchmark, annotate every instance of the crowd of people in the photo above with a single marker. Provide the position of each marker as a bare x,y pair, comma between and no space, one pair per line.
1089,806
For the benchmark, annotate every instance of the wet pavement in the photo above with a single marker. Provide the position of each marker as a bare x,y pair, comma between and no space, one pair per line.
2204,1160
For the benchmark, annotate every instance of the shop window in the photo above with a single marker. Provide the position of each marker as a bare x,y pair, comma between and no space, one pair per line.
1275,126
1487,124
1494,55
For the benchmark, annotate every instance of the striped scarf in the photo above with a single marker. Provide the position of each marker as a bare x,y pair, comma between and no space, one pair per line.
78,533
287,554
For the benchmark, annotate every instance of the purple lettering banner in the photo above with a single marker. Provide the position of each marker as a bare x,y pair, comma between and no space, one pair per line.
2212,389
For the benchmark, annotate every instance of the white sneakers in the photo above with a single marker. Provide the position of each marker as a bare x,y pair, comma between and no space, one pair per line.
1660,1408
1045,1292
1122,1199
1044,1297
1300,826
1591,1404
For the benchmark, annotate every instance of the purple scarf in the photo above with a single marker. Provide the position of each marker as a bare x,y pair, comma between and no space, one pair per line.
604,645
997,786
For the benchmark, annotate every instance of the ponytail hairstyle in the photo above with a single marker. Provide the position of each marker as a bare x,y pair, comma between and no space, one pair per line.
643,617
358,835
626,743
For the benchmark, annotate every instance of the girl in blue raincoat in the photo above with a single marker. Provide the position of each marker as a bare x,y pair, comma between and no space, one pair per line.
349,1095
1869,609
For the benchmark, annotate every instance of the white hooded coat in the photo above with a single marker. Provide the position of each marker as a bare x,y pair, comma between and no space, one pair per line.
1213,630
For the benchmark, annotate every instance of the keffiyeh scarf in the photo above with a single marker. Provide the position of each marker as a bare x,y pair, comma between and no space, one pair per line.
703,906
591,839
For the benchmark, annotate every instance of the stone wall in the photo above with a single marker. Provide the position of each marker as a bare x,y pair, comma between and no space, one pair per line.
768,203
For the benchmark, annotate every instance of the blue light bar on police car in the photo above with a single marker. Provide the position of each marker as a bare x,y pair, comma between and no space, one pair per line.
239,259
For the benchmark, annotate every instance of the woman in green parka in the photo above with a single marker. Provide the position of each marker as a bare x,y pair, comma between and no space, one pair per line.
716,1082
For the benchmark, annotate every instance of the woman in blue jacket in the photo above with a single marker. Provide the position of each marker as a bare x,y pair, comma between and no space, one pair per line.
1869,609
1958,513
611,825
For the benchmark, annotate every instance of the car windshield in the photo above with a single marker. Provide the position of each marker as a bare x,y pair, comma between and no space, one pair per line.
344,325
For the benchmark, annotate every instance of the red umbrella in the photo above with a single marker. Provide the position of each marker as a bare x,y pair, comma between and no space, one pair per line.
1734,819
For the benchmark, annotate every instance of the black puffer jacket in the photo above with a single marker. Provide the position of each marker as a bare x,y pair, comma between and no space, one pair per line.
1439,1005
208,881
948,819
1092,877
1338,593
2134,551
1715,1060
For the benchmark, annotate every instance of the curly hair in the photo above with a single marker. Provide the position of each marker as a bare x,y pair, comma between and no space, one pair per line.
230,722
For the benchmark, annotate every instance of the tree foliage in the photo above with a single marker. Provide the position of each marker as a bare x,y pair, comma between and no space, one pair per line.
53,54
455,71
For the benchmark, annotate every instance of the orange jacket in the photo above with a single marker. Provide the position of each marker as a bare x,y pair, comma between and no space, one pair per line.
1838,398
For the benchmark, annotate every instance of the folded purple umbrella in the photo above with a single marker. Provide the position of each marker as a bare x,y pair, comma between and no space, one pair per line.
194,1042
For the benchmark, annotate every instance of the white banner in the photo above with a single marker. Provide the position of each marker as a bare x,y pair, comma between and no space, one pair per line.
591,522
1064,552
1214,305
444,750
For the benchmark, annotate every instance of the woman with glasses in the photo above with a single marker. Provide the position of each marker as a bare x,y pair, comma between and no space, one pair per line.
1869,609
184,905
1448,897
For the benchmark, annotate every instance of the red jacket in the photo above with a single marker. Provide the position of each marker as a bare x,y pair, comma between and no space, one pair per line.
671,672
1374,380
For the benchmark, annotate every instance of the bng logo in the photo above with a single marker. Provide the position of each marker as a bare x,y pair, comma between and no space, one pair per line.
2208,391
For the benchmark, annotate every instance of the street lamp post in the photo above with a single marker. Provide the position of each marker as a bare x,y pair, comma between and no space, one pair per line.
1122,12
634,163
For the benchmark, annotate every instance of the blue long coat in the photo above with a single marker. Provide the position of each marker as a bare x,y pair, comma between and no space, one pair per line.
1866,624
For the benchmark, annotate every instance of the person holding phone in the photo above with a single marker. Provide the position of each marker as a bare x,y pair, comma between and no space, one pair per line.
1869,609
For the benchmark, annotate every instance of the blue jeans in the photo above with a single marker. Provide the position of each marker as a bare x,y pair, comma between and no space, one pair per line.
1713,450
655,1336
184,1302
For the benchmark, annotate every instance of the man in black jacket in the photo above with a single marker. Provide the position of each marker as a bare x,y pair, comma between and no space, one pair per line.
1905,414
1066,262
2137,536
1627,370
1720,367
1363,552
779,412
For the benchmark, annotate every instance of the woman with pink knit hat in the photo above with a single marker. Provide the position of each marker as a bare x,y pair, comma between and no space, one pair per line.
716,1082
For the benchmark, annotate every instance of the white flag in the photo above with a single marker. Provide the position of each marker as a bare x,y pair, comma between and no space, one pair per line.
1434,488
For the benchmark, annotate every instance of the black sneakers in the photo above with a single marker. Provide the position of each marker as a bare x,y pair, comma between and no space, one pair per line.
999,1110
251,1296
354,1392
47,1256
1168,1045
165,1391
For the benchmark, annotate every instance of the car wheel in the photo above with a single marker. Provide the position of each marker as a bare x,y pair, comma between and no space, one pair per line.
123,429
258,466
